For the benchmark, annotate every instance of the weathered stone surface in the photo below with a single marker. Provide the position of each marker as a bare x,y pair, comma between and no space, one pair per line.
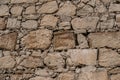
30,24
114,70
67,9
44,72
114,8
8,41
13,23
40,78
4,1
82,56
30,10
2,23
20,76
109,39
4,10
16,10
39,39
49,20
118,19
82,41
108,58
23,1
87,23
49,7
90,73
63,40
115,77
66,76
7,62
54,61
31,62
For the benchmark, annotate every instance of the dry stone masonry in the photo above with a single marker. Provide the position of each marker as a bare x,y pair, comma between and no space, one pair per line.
59,39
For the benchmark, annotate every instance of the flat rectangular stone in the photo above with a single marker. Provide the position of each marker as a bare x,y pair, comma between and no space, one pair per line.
105,39
114,8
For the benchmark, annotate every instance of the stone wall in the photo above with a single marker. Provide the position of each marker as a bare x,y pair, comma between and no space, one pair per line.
59,39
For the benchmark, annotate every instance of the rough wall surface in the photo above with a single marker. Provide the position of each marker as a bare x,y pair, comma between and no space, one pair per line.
59,39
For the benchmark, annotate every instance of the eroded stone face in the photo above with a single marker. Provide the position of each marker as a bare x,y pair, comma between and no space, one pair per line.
31,62
41,78
39,39
16,10
114,8
63,40
7,62
87,23
109,39
49,21
8,41
54,61
4,10
23,1
66,76
67,9
115,77
82,56
108,57
49,7
2,23
90,73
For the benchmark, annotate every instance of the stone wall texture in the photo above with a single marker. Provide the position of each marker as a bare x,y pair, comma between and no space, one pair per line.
59,39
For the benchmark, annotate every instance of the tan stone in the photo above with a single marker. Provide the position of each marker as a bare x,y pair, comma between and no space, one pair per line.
30,24
13,23
40,78
90,73
109,39
67,9
4,10
20,76
2,23
114,8
8,41
7,62
49,7
4,1
108,58
16,10
114,70
66,76
49,20
30,10
23,1
54,61
39,39
63,40
82,56
115,77
31,62
87,23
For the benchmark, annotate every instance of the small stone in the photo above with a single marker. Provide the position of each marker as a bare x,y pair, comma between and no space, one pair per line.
7,62
23,1
82,56
114,70
87,23
82,41
40,78
39,39
31,62
118,18
44,72
54,61
30,10
63,40
13,23
66,76
67,9
108,58
105,39
115,77
8,41
16,10
4,10
2,23
64,25
114,8
36,53
30,24
90,73
49,7
49,20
